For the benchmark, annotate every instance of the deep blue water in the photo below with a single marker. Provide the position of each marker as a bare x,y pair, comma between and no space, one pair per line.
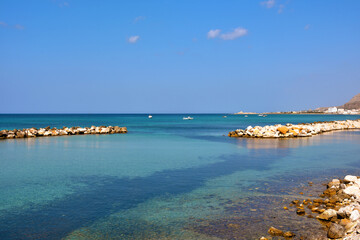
152,182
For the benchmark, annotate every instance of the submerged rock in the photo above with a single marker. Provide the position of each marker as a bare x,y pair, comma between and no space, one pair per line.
275,232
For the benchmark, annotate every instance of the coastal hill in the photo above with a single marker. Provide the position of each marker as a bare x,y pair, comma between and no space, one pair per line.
354,103
353,106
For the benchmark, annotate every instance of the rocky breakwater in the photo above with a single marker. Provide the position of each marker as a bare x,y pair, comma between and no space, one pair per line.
298,130
48,132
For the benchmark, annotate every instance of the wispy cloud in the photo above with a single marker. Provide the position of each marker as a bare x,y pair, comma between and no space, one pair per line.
19,27
213,33
16,26
61,3
133,39
281,8
139,18
64,4
238,32
268,3
307,27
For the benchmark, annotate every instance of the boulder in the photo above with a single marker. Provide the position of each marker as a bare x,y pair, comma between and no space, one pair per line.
336,231
10,135
62,132
81,130
104,130
350,178
20,134
283,129
327,214
47,133
41,132
352,191
334,183
344,212
3,133
354,215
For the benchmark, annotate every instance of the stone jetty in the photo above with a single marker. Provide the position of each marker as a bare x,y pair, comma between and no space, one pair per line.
296,130
49,132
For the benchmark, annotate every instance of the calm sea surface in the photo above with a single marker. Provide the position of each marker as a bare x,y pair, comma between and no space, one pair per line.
166,179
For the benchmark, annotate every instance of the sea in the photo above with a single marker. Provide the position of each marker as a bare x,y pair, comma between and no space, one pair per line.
167,178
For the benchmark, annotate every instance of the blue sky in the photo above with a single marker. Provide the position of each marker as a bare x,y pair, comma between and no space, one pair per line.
80,56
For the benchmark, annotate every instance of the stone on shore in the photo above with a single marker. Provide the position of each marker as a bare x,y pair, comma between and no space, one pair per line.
275,232
327,215
336,231
354,215
339,210
350,178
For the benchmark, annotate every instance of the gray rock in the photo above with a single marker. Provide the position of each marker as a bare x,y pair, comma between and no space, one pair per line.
336,231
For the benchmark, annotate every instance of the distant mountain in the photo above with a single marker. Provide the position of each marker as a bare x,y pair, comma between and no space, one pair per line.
354,103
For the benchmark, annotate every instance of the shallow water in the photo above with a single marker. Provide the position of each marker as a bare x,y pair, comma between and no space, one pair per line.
167,178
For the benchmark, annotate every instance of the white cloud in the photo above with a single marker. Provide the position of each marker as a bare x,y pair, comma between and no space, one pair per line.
213,33
139,18
238,32
307,26
268,3
133,39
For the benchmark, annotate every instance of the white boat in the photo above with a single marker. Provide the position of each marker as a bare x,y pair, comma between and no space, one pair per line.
260,115
224,116
188,118
246,116
149,116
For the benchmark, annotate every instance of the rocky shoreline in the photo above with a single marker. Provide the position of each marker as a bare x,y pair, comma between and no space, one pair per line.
297,130
338,210
49,132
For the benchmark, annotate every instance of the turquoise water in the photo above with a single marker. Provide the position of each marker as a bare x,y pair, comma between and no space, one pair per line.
154,182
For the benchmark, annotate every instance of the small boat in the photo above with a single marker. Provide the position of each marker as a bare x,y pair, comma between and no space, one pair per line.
224,116
149,116
246,116
260,115
188,118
